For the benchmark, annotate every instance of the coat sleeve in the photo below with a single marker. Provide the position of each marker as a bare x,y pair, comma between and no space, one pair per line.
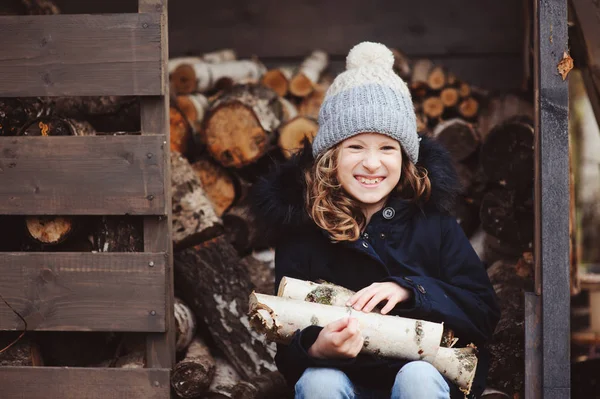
462,298
293,260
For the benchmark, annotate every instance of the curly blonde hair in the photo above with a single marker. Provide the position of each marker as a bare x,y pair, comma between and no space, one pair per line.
336,212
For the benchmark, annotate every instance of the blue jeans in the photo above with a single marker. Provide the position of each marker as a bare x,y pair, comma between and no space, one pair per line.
416,380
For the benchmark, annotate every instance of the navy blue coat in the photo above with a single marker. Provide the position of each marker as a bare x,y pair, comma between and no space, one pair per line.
420,246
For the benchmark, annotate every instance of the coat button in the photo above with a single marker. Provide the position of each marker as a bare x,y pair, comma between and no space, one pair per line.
389,212
382,236
421,289
365,235
365,245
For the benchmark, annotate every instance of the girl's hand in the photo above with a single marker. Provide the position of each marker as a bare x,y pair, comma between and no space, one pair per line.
338,339
366,299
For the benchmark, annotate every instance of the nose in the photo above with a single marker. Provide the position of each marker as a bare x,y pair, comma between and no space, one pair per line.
371,162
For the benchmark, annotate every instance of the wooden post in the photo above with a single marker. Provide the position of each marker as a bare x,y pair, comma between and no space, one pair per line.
533,343
160,347
552,195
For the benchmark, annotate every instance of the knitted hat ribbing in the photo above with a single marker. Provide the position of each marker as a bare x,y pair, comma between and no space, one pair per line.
368,97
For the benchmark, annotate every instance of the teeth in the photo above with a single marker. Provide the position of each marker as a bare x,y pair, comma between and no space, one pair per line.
369,181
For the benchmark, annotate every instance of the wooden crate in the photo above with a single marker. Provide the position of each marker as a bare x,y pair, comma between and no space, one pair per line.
90,55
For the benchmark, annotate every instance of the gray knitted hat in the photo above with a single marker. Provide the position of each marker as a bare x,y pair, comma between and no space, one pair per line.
368,97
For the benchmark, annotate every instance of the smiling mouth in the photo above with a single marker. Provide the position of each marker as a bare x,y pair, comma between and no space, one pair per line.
369,181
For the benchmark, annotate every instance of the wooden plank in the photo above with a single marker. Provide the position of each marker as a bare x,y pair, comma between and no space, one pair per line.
286,29
83,291
84,383
160,348
552,194
533,343
91,175
80,55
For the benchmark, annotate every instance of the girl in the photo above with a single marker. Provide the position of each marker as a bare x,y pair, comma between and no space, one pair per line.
367,209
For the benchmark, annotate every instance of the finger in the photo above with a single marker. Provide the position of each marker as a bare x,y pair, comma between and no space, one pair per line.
338,325
364,298
355,297
391,303
374,301
339,338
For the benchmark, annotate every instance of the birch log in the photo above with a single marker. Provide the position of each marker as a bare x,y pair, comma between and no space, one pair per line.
185,325
194,107
194,219
203,76
307,76
458,364
193,375
49,230
224,380
293,133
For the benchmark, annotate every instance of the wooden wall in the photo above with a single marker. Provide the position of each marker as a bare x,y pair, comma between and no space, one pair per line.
480,41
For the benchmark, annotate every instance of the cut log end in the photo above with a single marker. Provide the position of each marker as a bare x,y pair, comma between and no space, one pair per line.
449,97
217,184
293,134
437,78
276,80
183,79
459,137
49,230
469,108
301,85
433,107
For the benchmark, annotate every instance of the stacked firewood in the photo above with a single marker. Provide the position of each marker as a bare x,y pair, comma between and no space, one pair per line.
230,121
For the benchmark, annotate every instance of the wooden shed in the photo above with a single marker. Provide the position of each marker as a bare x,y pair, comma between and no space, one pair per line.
121,48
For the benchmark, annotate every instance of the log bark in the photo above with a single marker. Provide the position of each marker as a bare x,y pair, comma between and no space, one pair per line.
293,133
213,57
459,137
118,234
507,154
507,216
194,219
278,318
202,76
288,110
193,375
278,80
421,70
242,230
49,230
307,76
133,360
507,358
271,385
215,284
218,184
185,325
261,268
501,108
224,380
194,107
241,125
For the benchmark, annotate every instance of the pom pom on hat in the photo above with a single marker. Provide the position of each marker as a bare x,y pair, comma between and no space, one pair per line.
369,54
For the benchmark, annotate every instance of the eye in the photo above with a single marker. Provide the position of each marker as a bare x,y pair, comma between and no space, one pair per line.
355,146
388,148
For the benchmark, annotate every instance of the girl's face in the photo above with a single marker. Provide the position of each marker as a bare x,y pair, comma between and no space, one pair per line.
369,167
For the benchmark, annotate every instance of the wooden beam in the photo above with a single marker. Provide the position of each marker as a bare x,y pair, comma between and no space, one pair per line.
80,55
552,195
88,383
87,175
160,348
83,291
